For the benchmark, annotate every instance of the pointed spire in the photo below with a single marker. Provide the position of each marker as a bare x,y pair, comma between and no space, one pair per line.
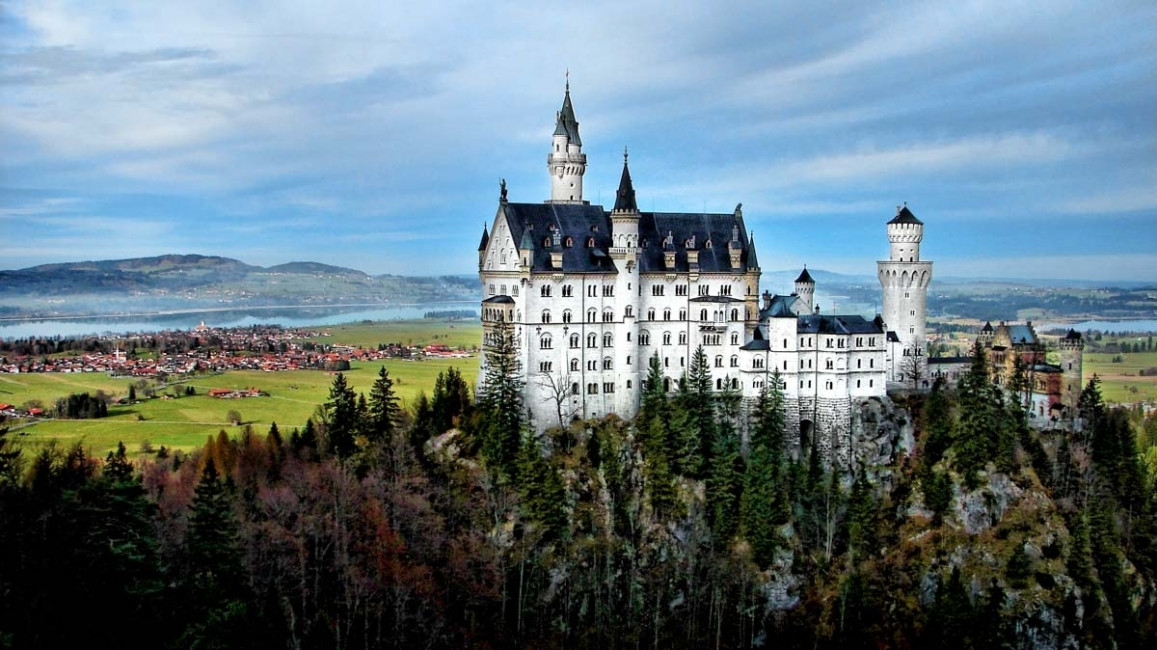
805,276
625,197
485,239
567,124
527,241
752,262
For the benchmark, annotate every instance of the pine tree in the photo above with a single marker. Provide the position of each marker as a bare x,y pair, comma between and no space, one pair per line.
501,401
384,411
938,423
724,485
700,405
542,490
978,434
341,412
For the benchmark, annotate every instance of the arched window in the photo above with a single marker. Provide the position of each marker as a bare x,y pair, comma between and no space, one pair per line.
666,314
591,315
703,314
546,316
574,340
734,314
590,242
607,363
644,338
734,338
719,361
608,340
568,242
574,365
682,338
666,338
734,361
628,311
651,314
566,316
608,316
682,314
544,290
574,388
545,342
592,340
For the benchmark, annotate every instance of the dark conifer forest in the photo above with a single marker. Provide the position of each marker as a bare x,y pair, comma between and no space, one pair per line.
449,525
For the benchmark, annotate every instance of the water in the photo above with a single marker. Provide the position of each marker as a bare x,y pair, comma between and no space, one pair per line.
1146,325
231,317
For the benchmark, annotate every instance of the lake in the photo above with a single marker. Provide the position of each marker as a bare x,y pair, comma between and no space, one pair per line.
225,317
1143,325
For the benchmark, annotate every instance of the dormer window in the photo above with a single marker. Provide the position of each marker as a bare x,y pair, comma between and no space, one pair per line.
707,244
568,242
546,242
595,228
590,242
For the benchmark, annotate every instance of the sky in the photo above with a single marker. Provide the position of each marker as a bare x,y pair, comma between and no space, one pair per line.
373,134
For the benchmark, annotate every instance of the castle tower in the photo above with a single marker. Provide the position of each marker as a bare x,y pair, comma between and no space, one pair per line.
904,279
1071,355
805,288
625,253
566,162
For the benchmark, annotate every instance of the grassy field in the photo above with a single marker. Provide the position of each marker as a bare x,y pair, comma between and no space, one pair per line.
1121,382
185,422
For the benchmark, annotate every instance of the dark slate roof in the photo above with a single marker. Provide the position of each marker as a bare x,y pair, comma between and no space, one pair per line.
805,277
485,239
1021,334
567,124
1073,335
893,337
987,327
757,342
948,360
904,215
752,262
500,300
573,220
625,197
1046,368
715,299
781,307
654,228
837,324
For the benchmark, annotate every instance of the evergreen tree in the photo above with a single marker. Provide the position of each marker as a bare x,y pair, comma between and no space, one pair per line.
977,439
501,401
543,496
699,403
938,423
725,485
383,408
341,413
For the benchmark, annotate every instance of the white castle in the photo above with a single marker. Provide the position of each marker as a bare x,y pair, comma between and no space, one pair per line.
593,295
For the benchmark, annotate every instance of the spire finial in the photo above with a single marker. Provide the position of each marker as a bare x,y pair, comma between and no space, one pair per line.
624,154
568,79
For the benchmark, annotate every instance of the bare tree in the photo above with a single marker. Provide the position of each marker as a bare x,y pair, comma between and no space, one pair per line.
912,369
560,393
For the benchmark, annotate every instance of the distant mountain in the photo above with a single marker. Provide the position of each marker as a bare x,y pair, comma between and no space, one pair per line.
199,281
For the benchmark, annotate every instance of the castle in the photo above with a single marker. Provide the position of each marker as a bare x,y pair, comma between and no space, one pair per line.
592,295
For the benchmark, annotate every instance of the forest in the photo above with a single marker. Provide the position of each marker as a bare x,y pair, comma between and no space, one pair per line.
697,524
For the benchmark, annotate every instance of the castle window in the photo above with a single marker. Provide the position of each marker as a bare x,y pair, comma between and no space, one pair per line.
592,291
651,314
785,344
544,291
544,366
545,343
608,386
912,313
592,389
546,316
734,361
704,290
666,314
491,289
608,316
718,384
628,362
682,338
591,315
667,363
567,290
574,365
872,341
608,340
682,314
666,338
828,385
680,290
546,242
628,311
657,290
566,316
644,338
568,242
592,340
574,388
859,363
829,342
707,244
757,362
607,363
830,364
574,340
628,383
859,341
725,290
912,330
719,361
840,343
514,290
905,294
871,364
734,338
592,364
590,242
608,290
703,314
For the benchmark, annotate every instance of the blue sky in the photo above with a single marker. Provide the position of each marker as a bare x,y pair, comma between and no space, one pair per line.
373,135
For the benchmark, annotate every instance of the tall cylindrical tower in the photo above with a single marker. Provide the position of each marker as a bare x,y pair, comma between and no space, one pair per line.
805,288
904,279
566,161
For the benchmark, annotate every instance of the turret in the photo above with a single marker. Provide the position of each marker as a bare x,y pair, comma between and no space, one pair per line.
625,218
1071,356
482,247
566,162
805,288
904,278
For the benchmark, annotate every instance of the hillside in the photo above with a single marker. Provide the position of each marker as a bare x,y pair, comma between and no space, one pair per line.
174,282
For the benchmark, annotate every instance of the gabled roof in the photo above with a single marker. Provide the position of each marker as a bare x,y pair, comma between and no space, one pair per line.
1021,334
780,307
655,227
757,342
805,277
576,221
904,215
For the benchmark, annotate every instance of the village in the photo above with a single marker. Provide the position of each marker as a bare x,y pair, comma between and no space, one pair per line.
203,350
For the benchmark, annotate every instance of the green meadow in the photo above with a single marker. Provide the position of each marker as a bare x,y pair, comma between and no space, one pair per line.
186,421
1122,382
